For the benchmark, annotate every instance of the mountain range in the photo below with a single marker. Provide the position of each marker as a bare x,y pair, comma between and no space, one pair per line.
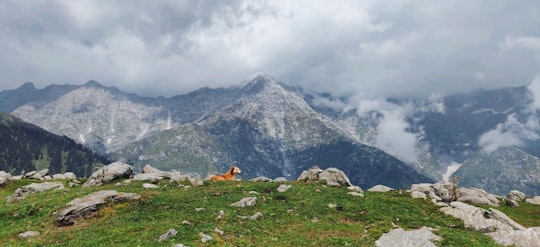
272,129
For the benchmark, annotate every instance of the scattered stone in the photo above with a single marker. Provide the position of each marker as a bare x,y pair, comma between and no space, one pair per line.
16,178
4,178
29,174
332,176
150,186
355,188
535,200
47,177
516,195
245,202
332,205
380,188
28,234
70,175
218,231
168,235
283,187
253,217
199,209
109,173
221,214
418,195
413,238
314,220
354,193
205,238
261,179
180,245
150,177
280,180
185,222
253,192
87,206
196,181
22,192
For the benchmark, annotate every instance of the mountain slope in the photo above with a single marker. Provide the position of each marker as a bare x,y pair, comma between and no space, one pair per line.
25,147
269,131
501,171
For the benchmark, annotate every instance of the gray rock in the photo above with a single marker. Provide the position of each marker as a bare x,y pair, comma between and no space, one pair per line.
59,176
4,178
70,175
477,196
519,238
511,203
168,235
252,217
245,202
195,181
354,193
261,179
280,180
535,200
283,187
413,238
109,173
355,188
88,206
218,231
516,195
180,245
43,172
16,178
150,169
22,192
28,234
150,177
150,186
380,188
419,195
480,220
332,176
205,238
29,174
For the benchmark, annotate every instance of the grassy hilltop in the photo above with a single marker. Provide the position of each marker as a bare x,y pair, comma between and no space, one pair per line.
300,216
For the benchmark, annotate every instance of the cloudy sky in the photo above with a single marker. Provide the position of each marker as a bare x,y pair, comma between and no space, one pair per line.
367,48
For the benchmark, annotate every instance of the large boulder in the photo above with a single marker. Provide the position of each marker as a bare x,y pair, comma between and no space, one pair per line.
332,176
88,206
22,192
516,195
477,196
518,238
535,200
108,173
481,220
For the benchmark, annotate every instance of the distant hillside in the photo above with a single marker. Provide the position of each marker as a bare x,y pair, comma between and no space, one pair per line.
26,147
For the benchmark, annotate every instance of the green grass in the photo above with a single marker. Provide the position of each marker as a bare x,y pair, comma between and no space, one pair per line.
288,218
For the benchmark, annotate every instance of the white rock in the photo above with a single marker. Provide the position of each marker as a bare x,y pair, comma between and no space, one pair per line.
59,176
205,238
535,200
519,238
70,175
218,231
28,234
150,186
380,188
169,234
284,187
109,173
280,180
354,193
355,188
413,238
22,192
245,202
261,179
418,194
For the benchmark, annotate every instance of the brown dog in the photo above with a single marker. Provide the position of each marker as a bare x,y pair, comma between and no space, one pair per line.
229,175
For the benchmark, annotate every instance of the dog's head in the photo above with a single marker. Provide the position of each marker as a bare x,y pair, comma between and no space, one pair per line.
236,170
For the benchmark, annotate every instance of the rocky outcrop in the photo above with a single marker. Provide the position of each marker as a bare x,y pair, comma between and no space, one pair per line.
494,223
332,176
88,206
108,173
413,238
168,235
514,197
245,202
22,192
447,192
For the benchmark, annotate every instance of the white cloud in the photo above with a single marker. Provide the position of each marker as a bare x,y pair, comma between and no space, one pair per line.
528,42
393,136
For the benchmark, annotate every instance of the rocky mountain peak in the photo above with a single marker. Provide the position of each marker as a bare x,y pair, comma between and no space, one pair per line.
93,83
260,83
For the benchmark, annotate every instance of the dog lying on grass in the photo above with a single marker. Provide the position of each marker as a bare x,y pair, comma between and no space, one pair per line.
229,175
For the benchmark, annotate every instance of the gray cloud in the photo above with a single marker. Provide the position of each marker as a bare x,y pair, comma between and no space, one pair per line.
370,49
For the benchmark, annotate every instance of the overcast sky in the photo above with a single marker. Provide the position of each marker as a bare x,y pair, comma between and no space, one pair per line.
368,48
